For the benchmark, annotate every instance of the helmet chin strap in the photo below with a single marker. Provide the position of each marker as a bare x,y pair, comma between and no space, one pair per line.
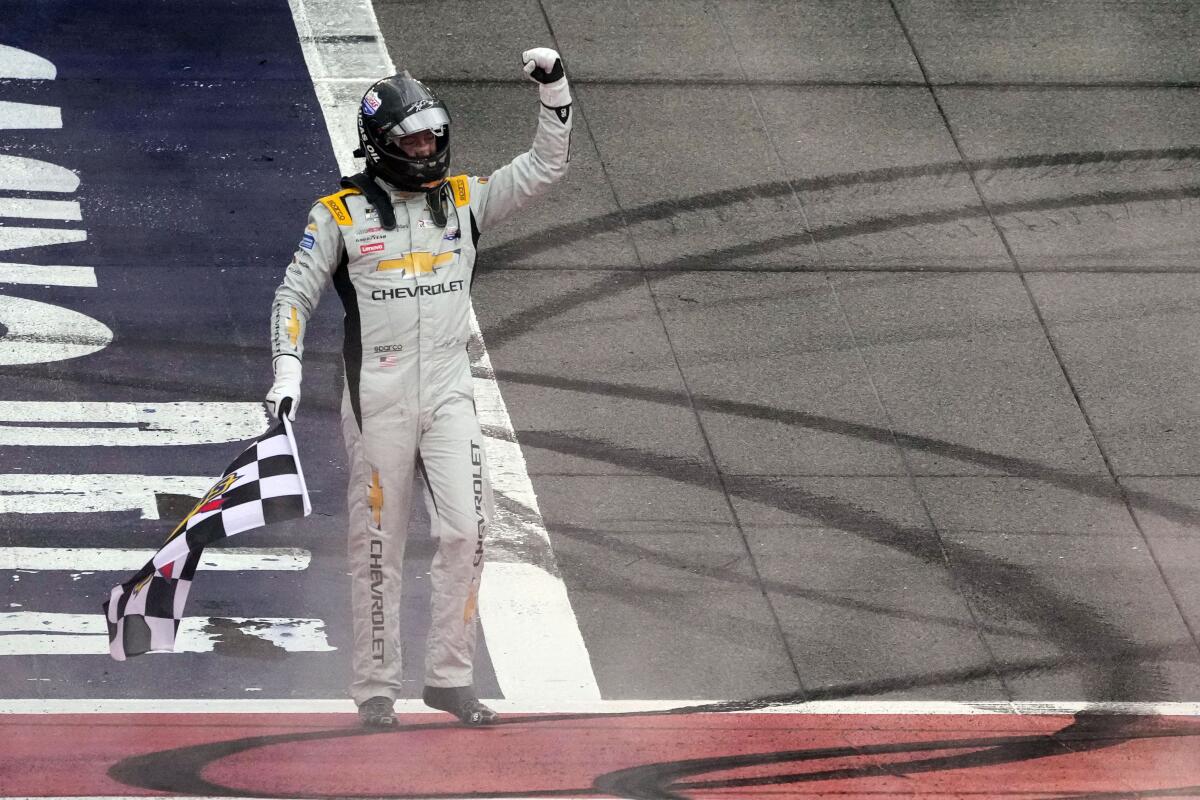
375,195
434,198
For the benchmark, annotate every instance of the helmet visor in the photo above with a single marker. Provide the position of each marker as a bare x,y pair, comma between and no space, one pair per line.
428,119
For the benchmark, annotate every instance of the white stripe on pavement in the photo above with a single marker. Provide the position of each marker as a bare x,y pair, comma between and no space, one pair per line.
14,238
414,706
33,175
531,631
38,332
27,116
43,275
115,424
28,493
120,559
35,633
18,63
27,208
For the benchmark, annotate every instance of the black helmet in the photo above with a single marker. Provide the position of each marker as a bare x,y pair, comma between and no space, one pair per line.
396,107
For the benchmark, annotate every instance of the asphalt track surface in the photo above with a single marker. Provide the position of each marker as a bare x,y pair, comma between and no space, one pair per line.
854,359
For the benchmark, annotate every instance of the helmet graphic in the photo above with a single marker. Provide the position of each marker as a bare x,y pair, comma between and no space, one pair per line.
395,108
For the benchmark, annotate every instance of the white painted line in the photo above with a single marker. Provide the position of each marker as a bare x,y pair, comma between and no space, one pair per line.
17,63
532,634
121,559
414,706
38,332
67,210
116,424
34,633
14,238
43,275
20,174
28,116
22,493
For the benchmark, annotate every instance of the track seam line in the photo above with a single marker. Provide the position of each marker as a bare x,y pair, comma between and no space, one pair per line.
808,228
1023,277
688,392
799,83
730,506
891,428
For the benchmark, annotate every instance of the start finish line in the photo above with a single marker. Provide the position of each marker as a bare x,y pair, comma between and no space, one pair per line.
606,749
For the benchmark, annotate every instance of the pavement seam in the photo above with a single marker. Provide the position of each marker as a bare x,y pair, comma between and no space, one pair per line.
1041,319
752,560
675,358
801,83
902,452
850,268
978,625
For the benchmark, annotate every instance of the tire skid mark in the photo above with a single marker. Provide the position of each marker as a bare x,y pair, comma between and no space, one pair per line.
180,770
1097,486
1073,626
1167,160
898,222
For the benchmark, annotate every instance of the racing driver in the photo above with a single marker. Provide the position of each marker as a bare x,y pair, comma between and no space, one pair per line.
398,243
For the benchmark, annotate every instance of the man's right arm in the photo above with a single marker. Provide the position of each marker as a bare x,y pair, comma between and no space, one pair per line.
318,254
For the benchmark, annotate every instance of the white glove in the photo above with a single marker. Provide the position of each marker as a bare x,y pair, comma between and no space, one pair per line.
545,66
286,387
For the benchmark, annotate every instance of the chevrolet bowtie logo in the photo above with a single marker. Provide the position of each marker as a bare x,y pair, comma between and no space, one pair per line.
418,262
471,605
293,326
375,498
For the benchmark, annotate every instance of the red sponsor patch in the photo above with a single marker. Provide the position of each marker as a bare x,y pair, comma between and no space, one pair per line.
371,248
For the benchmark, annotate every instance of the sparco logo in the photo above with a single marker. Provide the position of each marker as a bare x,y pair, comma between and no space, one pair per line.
425,290
477,488
388,348
376,568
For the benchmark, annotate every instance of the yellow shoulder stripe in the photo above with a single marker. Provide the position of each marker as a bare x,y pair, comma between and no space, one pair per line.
336,203
460,186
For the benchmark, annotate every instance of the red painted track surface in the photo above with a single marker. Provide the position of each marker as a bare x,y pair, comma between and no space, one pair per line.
694,755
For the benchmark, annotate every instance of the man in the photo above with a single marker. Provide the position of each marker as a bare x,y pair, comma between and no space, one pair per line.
398,243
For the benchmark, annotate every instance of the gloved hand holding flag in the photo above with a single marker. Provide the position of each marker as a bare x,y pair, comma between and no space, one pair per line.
262,485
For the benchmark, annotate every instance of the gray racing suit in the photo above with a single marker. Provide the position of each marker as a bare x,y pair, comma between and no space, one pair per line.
408,396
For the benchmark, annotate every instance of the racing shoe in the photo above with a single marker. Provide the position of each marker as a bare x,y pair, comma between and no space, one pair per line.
377,712
461,702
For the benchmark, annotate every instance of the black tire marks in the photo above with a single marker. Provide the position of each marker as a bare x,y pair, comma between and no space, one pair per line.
1110,163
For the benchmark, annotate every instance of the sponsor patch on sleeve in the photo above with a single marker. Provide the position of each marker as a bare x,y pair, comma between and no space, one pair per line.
462,190
308,241
336,204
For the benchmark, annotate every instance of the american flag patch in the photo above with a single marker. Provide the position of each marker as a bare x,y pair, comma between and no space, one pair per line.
388,361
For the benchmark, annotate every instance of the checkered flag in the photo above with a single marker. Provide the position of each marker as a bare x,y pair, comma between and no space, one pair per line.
263,485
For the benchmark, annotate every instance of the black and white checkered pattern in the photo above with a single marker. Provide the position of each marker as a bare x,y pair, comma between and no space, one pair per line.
263,485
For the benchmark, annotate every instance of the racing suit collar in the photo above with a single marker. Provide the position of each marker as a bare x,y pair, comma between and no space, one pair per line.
397,194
